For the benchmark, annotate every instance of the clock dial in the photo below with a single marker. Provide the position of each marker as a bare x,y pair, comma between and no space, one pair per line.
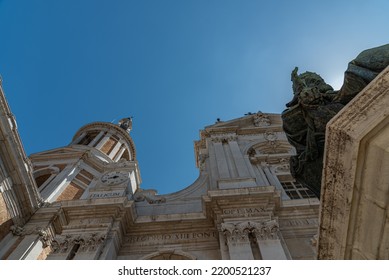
114,177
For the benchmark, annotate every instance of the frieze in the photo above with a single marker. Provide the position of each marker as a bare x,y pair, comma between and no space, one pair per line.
88,222
148,239
224,138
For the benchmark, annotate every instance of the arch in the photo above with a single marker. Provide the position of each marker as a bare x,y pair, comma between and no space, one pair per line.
44,176
88,138
266,147
169,254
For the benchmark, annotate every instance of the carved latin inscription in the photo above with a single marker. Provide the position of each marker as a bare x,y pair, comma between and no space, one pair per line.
245,212
168,237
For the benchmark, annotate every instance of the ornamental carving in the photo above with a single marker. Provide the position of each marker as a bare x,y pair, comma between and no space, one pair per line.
87,242
148,195
224,138
17,230
283,166
235,233
272,142
202,158
261,120
267,230
251,152
239,232
44,234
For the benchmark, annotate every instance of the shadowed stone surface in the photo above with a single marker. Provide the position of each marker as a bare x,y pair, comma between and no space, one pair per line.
314,103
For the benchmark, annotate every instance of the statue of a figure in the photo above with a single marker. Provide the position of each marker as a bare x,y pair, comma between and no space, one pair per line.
126,124
314,103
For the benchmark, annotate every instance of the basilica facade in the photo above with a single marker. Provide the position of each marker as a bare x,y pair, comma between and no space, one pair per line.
85,200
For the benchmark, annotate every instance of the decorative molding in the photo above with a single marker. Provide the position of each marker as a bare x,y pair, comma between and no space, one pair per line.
261,120
44,234
299,222
122,163
224,138
239,232
202,158
283,167
266,230
235,233
149,195
87,242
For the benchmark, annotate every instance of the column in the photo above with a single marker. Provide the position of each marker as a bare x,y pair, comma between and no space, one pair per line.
56,186
274,181
240,164
267,235
115,149
33,243
84,246
120,153
223,246
259,178
103,141
262,175
8,241
97,138
78,139
278,186
221,162
112,244
238,241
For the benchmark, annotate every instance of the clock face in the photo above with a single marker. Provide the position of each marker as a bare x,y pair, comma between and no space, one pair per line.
114,177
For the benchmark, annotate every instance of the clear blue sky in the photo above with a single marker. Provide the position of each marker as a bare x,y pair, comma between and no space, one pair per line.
175,66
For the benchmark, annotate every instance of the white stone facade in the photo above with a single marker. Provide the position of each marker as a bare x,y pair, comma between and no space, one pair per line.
244,204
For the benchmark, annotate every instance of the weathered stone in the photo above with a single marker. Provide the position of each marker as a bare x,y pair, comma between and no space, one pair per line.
315,103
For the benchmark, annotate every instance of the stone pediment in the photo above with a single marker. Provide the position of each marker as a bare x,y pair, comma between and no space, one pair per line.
249,121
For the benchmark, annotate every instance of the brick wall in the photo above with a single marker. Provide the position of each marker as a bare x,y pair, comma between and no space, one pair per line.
5,219
107,148
71,192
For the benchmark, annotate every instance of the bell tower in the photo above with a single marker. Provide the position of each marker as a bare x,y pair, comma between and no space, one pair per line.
100,162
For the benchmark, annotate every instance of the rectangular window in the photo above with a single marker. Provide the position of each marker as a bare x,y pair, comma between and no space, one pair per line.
296,190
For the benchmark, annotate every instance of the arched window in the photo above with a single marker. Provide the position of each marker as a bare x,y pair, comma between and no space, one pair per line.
44,176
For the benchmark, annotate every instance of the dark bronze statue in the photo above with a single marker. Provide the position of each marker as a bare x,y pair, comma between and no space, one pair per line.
314,103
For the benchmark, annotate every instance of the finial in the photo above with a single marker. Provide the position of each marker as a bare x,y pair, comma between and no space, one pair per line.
126,123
